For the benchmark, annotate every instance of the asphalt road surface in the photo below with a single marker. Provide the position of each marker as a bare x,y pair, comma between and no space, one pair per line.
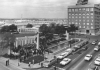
76,58
78,62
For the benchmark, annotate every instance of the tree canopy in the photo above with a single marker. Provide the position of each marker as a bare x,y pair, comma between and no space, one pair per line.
72,28
29,25
11,28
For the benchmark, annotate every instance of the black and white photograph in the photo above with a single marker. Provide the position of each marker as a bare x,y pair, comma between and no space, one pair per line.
49,34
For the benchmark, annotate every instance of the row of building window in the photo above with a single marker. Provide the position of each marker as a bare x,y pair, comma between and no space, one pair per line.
81,14
82,20
83,23
96,12
80,9
85,27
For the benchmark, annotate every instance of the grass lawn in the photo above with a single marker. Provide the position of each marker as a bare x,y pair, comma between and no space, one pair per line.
36,59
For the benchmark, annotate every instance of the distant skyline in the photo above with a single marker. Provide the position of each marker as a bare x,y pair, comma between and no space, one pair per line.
36,8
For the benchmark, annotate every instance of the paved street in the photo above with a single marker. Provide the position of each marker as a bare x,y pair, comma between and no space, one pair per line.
78,62
75,58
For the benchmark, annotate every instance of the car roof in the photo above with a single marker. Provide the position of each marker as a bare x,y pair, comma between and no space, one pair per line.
88,55
98,58
63,53
68,49
66,58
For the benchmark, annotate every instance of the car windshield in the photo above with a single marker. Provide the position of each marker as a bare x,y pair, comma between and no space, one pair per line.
98,60
66,60
88,55
62,54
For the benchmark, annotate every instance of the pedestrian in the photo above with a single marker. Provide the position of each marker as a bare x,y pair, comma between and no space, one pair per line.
41,64
55,68
8,62
57,60
33,61
54,57
20,59
29,64
18,63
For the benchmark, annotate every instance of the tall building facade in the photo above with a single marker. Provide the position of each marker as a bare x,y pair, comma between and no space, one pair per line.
86,17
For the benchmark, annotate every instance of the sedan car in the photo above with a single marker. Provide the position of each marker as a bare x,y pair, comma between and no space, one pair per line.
63,55
97,61
49,62
88,57
69,50
96,48
65,61
77,46
94,42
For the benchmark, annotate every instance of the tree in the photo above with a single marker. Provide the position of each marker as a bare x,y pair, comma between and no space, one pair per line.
9,38
57,30
72,28
60,29
29,25
5,29
12,28
44,29
46,34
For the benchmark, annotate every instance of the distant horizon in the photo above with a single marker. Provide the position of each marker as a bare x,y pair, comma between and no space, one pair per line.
32,18
37,8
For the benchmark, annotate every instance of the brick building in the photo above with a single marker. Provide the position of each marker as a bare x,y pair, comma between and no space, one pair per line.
86,17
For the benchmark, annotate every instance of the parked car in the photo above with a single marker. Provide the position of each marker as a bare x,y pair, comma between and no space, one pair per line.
88,57
94,42
63,55
74,49
65,61
48,63
77,46
97,61
85,48
97,48
98,43
69,50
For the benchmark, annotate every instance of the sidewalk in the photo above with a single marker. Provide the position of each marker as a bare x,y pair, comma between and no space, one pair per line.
21,66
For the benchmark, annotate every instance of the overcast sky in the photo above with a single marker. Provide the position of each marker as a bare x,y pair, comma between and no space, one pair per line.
36,8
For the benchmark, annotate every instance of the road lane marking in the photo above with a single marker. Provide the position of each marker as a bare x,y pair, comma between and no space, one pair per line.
78,64
93,60
5,67
82,53
81,60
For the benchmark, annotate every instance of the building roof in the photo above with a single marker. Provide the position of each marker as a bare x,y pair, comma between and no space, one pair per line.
87,5
78,6
23,35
